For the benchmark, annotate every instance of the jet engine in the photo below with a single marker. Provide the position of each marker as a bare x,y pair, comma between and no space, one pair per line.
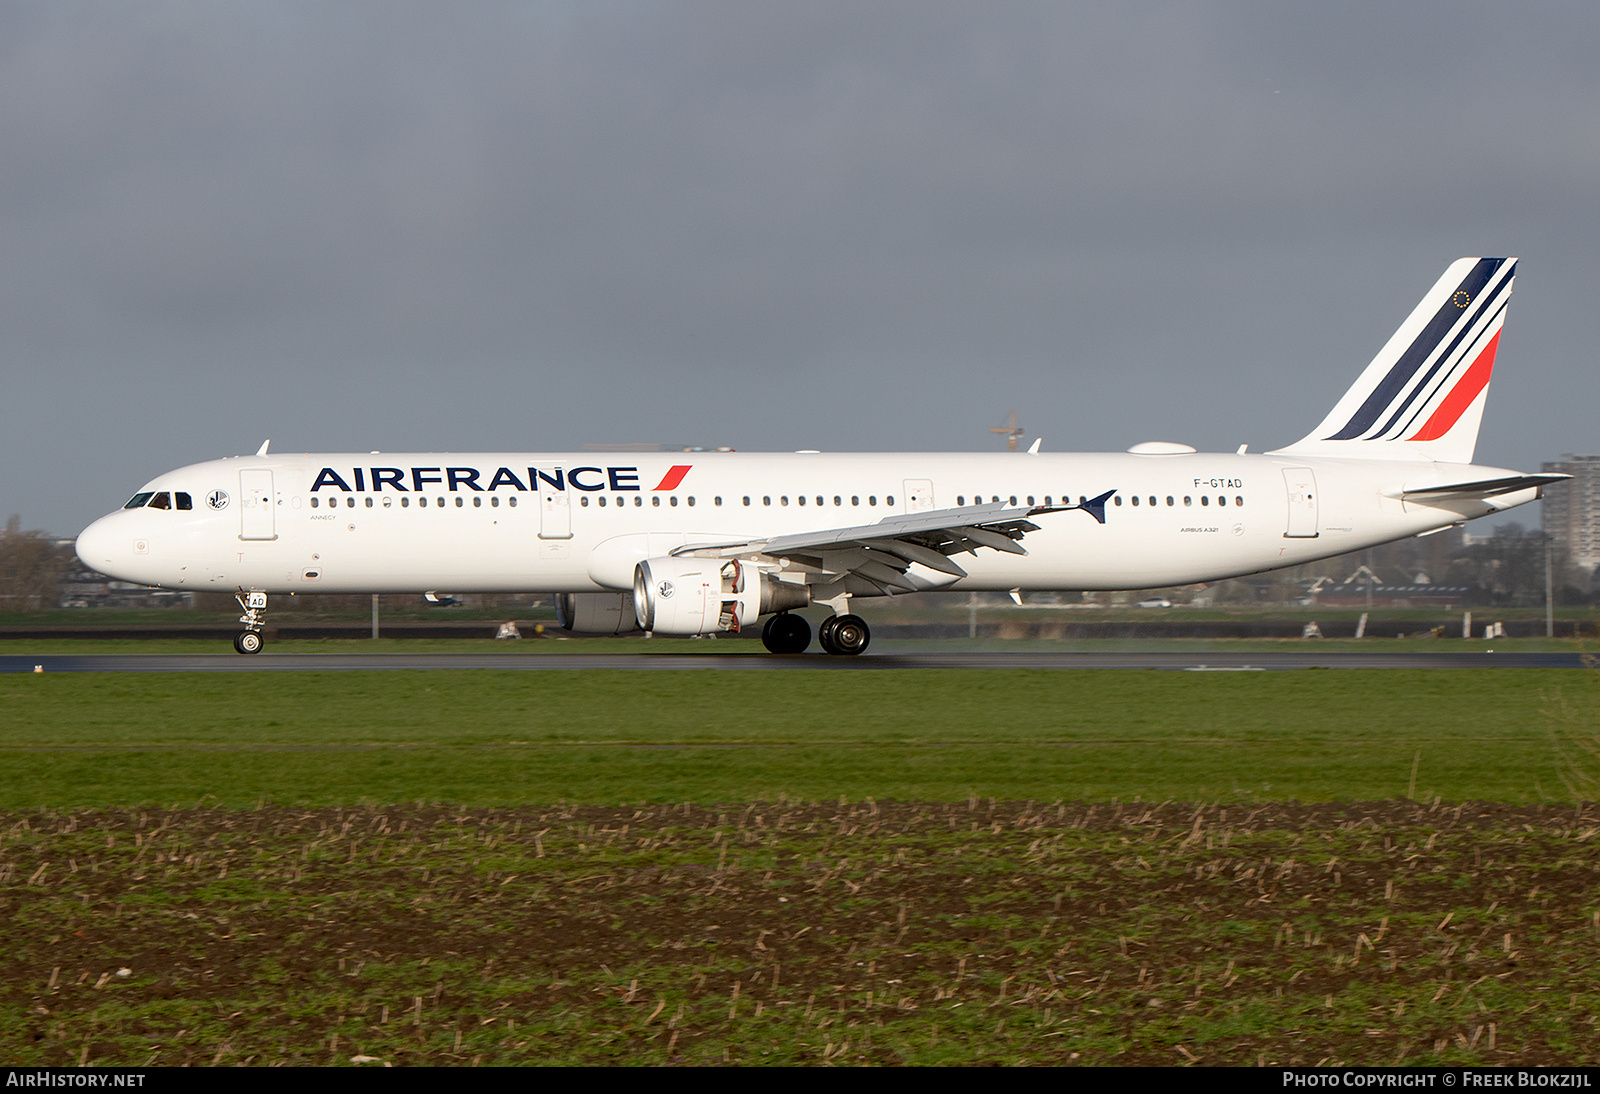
708,595
597,613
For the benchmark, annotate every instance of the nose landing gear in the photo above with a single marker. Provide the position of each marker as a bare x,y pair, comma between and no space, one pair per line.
254,618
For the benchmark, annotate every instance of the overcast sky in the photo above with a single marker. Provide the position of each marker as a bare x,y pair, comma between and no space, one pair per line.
771,226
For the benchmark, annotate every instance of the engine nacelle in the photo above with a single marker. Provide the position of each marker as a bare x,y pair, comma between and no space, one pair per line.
708,595
597,613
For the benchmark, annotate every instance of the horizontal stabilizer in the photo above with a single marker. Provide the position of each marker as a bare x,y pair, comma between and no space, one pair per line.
1484,488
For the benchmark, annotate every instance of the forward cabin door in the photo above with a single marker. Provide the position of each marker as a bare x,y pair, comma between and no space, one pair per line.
256,505
555,510
1302,487
919,495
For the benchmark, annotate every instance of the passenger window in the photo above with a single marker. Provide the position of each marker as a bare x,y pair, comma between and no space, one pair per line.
1222,499
961,499
716,501
638,502
655,499
784,500
1030,499
691,499
1013,500
1117,500
584,501
1136,499
819,499
747,500
422,503
1238,501
512,501
837,500
801,499
138,500
1153,500
162,500
1169,499
872,499
1047,500
1187,500
313,502
369,501
602,501
477,502
494,502
405,502
889,500
388,502
673,500
1205,499
184,501
766,501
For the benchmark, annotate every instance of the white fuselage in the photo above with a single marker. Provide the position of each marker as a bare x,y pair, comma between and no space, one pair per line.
519,522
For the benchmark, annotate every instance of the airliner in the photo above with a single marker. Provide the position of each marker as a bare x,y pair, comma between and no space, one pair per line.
709,543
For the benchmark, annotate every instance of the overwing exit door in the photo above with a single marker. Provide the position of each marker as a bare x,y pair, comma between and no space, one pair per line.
919,495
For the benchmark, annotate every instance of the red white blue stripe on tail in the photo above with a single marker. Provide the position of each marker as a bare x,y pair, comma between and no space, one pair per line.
1422,396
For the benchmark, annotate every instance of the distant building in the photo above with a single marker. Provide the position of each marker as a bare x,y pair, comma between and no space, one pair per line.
1570,511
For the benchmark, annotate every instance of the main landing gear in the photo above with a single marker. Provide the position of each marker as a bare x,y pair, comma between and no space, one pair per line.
254,618
786,633
844,635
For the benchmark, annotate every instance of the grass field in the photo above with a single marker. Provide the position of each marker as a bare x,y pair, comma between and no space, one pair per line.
785,933
897,867
604,738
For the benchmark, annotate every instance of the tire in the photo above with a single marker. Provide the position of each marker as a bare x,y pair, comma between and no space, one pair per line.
825,634
849,635
248,642
786,633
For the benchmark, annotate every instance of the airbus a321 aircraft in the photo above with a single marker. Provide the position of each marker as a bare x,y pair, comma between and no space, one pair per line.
712,543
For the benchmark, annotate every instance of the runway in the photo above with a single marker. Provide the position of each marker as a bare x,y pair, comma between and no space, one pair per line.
1274,661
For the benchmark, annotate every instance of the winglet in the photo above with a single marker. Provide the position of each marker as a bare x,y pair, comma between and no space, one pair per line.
1096,507
1033,449
262,451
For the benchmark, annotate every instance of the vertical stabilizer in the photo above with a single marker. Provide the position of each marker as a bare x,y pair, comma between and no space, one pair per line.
1422,396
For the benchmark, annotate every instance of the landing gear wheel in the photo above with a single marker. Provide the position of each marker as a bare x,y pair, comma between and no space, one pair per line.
825,634
247,642
786,633
846,635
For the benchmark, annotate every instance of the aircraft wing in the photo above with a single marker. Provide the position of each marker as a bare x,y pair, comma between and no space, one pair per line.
881,553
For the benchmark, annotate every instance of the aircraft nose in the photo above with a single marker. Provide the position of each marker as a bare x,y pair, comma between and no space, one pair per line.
94,545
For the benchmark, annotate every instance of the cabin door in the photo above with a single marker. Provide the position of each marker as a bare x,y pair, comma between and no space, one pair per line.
555,509
256,518
1301,485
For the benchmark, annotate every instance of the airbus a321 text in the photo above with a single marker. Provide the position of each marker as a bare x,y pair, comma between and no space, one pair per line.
710,543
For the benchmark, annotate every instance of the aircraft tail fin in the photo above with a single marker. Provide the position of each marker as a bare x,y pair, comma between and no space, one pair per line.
1422,396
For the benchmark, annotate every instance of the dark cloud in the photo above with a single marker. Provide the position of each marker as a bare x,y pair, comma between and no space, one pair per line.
772,226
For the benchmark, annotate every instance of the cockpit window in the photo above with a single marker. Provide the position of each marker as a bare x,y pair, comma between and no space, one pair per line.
138,500
162,500
183,500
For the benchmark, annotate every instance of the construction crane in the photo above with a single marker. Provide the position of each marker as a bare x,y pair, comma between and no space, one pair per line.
1011,430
